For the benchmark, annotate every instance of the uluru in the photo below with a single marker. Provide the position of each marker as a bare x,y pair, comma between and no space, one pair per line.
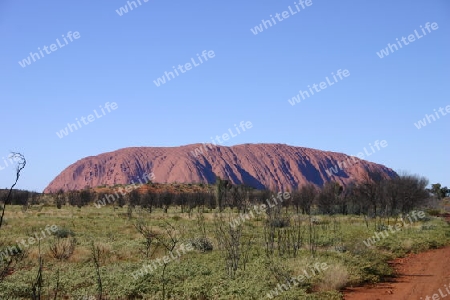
262,166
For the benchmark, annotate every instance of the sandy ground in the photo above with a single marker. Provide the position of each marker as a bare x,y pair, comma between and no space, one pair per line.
418,276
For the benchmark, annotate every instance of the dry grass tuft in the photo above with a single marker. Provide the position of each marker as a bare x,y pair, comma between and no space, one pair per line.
335,277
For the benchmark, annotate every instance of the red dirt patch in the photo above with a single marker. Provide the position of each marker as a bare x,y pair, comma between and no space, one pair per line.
418,275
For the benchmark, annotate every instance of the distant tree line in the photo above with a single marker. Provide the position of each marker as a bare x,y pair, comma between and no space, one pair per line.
20,197
223,194
372,196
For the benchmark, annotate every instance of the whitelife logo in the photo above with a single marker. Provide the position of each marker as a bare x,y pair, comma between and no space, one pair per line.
109,198
260,209
123,10
12,159
436,296
385,233
285,14
411,38
187,67
197,151
423,122
27,61
343,164
323,85
90,118
146,269
31,240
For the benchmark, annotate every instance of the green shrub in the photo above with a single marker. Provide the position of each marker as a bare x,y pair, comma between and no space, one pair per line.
433,212
202,244
176,218
279,223
62,233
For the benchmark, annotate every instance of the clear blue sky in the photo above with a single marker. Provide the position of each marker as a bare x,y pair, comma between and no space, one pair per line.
117,58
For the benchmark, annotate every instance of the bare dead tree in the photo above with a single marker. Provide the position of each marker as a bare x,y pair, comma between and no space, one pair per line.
20,165
60,198
148,233
229,241
169,241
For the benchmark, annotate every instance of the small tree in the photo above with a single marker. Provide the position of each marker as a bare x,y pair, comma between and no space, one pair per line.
169,241
149,235
234,249
438,191
220,191
21,162
73,197
445,191
308,194
6,264
329,197
149,200
134,198
120,200
60,199
85,197
167,199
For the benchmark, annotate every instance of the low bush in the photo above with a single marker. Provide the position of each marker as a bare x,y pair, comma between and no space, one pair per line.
202,244
335,277
62,233
433,212
62,249
279,223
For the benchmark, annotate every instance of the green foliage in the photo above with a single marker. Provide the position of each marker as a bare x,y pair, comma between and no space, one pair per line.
202,244
368,266
200,274
279,223
417,239
439,191
433,212
176,218
62,233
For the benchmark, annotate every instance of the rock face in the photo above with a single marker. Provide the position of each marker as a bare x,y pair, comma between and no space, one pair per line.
272,166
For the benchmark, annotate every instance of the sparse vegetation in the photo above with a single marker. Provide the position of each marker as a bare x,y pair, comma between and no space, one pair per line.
94,252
